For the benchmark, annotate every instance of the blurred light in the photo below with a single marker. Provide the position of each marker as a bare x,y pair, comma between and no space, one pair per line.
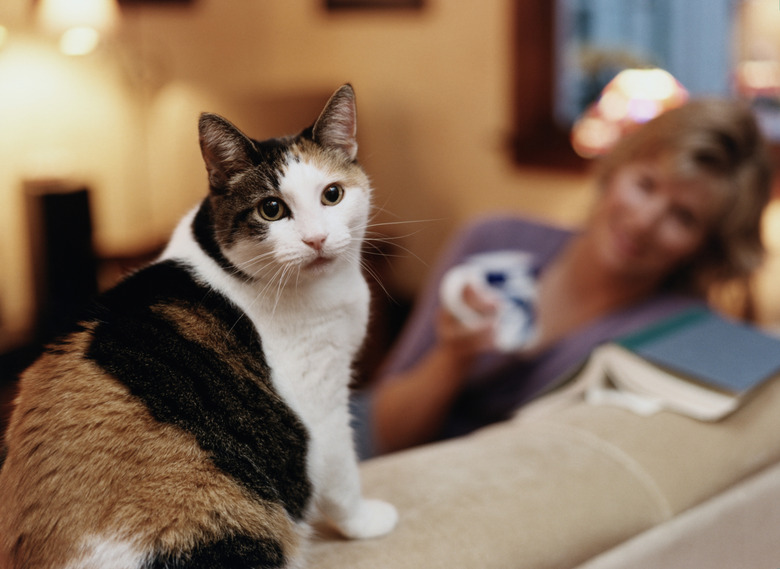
653,84
595,132
80,23
633,97
758,78
614,106
60,15
80,40
3,35
642,110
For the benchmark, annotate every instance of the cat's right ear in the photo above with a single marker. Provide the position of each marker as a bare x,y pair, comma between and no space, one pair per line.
337,124
226,150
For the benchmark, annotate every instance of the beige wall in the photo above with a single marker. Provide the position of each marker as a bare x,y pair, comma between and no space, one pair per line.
62,118
434,99
434,96
434,103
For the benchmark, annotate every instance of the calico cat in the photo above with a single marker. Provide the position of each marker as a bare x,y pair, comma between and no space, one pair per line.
198,417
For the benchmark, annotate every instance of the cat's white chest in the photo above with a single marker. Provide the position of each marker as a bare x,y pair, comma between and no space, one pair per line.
309,342
310,336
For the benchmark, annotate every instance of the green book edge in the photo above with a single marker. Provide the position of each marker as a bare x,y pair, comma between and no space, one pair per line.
654,331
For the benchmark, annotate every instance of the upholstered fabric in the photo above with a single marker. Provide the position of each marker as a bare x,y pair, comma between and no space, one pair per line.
555,489
735,529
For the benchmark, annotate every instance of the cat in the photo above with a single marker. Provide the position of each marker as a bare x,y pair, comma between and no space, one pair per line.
198,416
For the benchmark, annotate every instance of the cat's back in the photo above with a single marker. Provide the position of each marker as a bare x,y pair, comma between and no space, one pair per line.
152,428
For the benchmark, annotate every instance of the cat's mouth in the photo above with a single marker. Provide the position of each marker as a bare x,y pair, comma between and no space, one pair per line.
319,263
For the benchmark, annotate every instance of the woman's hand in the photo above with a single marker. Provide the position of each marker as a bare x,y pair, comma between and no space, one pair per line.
467,340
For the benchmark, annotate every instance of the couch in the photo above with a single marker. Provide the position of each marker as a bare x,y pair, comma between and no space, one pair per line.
568,484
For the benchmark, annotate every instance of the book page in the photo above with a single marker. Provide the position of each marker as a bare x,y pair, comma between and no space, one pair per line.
629,371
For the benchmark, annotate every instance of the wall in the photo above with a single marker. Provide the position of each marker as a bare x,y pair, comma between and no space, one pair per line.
62,118
434,93
434,98
434,104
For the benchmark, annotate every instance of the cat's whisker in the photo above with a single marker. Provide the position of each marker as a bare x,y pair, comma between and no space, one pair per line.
371,272
402,222
258,296
249,264
376,250
256,272
297,277
265,291
378,210
260,257
281,285
262,293
273,288
378,236
380,239
272,281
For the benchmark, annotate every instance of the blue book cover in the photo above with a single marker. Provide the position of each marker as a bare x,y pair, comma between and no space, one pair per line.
708,348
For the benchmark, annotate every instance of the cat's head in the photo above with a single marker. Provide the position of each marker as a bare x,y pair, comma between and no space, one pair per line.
289,207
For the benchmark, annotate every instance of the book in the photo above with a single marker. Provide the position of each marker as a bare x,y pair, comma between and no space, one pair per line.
697,363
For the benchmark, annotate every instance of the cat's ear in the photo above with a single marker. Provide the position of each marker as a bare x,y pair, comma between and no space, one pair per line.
226,150
337,125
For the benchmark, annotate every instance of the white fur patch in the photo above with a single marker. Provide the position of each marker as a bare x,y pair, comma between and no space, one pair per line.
108,553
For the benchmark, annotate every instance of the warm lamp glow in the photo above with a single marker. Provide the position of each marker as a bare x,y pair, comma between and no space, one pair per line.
633,97
595,132
80,40
80,22
3,35
654,84
60,15
759,78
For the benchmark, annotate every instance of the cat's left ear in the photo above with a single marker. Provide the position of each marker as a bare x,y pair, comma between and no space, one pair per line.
337,125
226,150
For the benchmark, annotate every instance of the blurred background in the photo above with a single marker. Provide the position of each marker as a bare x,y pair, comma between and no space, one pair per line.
464,107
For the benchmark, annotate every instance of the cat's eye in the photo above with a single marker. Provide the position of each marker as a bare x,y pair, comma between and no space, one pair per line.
332,194
272,209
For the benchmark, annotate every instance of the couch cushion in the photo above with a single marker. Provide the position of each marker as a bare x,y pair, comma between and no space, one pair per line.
554,488
737,528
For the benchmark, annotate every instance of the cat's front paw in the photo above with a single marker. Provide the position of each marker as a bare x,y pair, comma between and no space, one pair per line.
372,519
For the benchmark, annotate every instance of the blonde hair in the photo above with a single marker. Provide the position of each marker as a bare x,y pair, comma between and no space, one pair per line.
719,141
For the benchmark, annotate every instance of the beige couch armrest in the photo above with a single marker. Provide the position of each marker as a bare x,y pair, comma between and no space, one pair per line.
737,528
556,490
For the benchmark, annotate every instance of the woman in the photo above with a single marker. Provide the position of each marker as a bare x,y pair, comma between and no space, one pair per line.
678,214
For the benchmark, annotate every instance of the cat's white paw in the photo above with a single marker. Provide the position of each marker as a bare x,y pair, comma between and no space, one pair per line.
372,519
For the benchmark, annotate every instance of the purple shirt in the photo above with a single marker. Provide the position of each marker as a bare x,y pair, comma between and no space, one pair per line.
498,384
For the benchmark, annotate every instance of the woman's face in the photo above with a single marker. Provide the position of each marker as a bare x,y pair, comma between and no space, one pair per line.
649,223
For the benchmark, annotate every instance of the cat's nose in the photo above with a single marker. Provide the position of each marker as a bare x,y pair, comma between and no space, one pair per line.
316,242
